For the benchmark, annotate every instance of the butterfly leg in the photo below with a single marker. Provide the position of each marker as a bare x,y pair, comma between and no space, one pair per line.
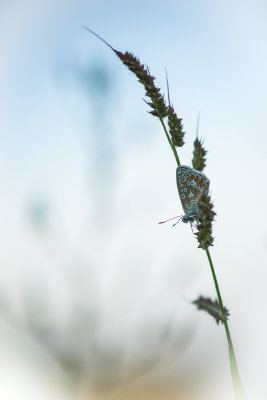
193,226
177,221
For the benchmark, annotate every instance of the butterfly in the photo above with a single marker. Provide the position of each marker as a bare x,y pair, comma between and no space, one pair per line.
191,184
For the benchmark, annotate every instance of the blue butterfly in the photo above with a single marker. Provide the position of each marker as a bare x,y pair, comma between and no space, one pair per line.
191,184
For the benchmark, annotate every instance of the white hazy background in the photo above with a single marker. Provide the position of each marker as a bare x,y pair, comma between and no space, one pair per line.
94,294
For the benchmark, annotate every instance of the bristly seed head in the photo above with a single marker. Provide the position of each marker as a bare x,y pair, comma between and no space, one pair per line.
212,307
157,102
175,128
199,155
204,227
147,80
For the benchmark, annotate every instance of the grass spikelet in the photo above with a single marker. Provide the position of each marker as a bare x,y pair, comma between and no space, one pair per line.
212,307
175,128
144,77
206,217
199,155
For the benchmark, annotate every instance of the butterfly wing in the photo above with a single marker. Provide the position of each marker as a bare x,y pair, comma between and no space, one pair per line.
191,185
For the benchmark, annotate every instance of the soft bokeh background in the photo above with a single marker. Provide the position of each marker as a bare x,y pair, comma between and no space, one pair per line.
94,294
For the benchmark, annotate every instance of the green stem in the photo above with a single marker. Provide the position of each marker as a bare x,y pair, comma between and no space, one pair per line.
237,383
167,135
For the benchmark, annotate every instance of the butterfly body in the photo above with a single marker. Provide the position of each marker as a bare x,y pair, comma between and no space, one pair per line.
191,184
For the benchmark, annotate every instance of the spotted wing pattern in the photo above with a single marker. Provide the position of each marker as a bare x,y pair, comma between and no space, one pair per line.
191,185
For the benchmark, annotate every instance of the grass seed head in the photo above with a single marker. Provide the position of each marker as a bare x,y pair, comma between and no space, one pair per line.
212,307
175,128
206,217
199,155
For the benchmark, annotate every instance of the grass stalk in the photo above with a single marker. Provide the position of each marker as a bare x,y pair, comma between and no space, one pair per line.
175,138
237,383
167,135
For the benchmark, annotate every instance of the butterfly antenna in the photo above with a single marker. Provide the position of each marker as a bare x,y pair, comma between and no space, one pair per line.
163,222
